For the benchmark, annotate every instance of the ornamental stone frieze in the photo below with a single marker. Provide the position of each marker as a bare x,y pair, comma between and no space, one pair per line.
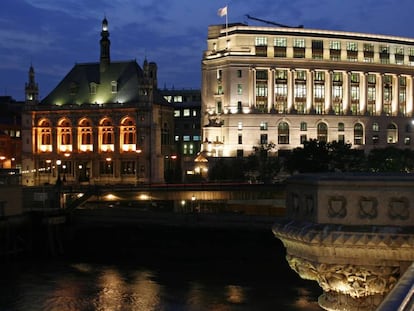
351,233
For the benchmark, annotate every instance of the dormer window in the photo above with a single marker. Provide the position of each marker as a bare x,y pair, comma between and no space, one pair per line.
73,88
92,88
114,87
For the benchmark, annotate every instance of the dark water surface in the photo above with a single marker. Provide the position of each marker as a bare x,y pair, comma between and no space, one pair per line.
159,269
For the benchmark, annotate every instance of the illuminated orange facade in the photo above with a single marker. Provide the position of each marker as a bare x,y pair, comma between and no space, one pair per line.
104,123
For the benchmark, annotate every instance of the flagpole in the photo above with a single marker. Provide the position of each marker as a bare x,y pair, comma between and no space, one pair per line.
227,19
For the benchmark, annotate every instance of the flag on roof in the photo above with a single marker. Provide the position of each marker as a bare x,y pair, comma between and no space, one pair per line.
222,11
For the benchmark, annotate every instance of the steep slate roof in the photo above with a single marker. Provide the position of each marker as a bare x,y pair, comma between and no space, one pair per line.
127,74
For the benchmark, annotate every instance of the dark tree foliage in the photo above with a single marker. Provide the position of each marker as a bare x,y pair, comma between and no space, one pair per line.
316,156
262,165
390,159
227,170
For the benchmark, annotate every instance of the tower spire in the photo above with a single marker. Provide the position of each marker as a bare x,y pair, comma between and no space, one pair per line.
105,45
31,87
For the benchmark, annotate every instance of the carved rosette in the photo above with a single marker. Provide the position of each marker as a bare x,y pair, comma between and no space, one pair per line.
347,285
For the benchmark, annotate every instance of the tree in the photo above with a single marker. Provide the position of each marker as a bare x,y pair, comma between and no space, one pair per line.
261,164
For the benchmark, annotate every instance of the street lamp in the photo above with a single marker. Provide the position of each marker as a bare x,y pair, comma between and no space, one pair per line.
138,152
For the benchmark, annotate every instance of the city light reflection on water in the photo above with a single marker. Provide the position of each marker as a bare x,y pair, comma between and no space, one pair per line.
167,277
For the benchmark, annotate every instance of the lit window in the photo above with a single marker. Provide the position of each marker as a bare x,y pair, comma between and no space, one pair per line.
186,112
261,41
178,99
196,138
194,113
177,113
92,88
335,45
298,43
263,126
280,42
303,126
177,138
239,89
186,138
351,46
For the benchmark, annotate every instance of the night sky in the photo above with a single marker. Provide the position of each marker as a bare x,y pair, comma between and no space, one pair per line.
53,35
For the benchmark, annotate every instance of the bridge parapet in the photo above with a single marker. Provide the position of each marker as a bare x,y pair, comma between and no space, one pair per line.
351,233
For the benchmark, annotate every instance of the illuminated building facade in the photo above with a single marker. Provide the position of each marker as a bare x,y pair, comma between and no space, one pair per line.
187,129
10,133
287,85
104,123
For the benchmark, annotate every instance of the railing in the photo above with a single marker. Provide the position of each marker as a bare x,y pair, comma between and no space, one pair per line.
401,297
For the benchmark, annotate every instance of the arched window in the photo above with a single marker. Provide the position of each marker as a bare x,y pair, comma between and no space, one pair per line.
106,131
128,135
358,134
392,133
44,136
283,133
322,132
85,140
64,131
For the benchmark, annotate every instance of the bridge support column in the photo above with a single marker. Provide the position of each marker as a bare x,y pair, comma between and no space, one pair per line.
351,235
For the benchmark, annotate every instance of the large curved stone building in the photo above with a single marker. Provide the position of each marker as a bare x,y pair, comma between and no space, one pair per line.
286,85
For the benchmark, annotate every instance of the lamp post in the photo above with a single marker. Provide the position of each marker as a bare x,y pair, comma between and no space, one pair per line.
138,170
58,163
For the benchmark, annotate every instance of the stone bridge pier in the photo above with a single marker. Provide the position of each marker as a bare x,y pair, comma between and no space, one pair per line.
352,233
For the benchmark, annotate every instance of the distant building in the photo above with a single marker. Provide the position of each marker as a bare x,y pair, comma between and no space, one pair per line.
187,131
104,123
285,85
10,133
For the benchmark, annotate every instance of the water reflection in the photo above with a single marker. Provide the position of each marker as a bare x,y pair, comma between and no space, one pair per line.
206,273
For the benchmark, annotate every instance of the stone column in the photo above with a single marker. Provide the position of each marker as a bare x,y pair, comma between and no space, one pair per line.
410,94
364,92
328,91
291,89
252,87
309,87
379,89
347,92
271,89
395,95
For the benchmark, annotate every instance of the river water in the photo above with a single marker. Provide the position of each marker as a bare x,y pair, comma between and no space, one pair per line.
146,269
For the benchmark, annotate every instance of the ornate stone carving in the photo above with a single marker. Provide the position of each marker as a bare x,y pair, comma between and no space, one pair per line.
368,208
351,280
399,208
337,207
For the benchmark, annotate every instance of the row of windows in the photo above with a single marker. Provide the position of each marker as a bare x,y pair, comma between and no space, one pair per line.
187,112
336,45
322,133
127,138
187,138
264,126
106,167
368,49
93,87
358,139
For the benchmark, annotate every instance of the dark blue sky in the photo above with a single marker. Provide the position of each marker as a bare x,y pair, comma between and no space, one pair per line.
53,35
